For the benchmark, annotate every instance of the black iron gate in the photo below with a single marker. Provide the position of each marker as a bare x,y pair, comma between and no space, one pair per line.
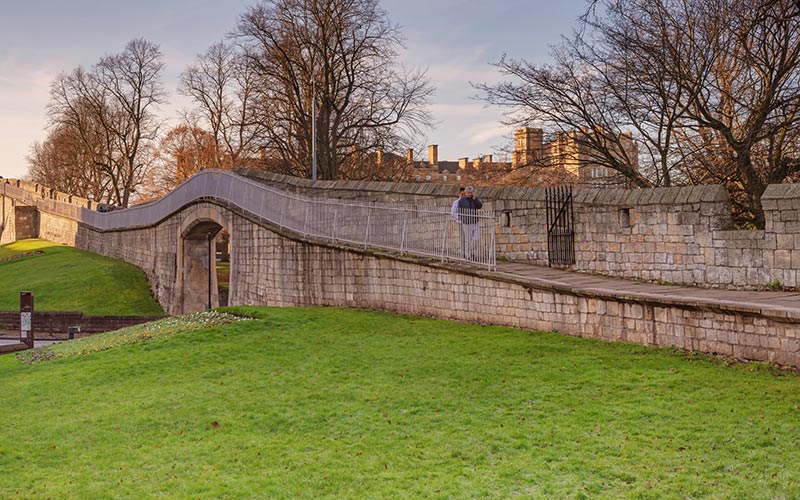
560,226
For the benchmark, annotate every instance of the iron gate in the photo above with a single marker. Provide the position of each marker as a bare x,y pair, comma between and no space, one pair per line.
560,226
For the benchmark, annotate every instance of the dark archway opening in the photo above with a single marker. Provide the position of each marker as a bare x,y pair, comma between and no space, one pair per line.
200,279
223,260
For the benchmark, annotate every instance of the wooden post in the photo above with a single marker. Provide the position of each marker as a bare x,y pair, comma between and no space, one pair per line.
26,318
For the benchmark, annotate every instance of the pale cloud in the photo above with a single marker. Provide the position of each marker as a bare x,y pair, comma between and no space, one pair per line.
483,133
455,68
472,129
469,109
24,93
26,89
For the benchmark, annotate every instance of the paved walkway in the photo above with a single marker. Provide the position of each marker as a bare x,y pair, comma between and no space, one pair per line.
779,305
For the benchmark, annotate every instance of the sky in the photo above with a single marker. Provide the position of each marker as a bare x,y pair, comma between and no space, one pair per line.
454,40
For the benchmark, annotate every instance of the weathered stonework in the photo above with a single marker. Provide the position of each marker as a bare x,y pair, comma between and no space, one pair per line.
285,272
271,266
677,235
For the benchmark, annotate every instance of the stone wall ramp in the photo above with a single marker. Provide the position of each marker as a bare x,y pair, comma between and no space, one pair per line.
782,306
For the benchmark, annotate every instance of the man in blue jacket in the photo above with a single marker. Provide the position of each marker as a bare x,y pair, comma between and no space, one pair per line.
468,207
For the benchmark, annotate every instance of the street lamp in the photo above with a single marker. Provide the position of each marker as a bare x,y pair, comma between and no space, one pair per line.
313,131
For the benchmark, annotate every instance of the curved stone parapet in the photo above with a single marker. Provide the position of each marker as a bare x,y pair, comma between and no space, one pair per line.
424,231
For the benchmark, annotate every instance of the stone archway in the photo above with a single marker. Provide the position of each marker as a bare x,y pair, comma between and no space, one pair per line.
196,271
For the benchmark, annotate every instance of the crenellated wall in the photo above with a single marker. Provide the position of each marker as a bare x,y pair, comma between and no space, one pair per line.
8,232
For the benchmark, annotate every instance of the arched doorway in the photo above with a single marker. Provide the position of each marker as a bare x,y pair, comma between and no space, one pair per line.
198,281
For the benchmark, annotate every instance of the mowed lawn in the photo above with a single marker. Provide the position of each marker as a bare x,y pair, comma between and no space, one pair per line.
67,279
327,403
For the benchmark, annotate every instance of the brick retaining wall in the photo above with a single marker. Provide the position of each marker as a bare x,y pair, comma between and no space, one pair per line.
55,325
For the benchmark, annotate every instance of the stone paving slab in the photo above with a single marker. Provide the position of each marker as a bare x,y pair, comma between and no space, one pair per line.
785,305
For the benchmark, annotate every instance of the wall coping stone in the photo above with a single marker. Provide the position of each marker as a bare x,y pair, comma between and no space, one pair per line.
585,195
781,191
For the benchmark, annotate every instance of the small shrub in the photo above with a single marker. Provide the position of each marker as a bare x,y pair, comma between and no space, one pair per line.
775,285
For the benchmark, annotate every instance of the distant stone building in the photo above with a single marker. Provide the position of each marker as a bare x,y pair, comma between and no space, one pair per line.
574,153
567,159
528,147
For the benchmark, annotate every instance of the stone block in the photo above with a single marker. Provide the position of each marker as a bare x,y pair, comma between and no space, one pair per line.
782,259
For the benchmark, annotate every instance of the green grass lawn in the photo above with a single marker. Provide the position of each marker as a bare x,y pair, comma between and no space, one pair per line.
224,275
23,246
325,403
67,279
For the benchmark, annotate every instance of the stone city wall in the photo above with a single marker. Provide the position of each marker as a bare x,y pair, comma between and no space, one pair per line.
8,232
679,235
272,267
280,271
151,249
671,235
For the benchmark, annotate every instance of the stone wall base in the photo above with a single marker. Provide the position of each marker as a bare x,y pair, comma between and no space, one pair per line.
285,272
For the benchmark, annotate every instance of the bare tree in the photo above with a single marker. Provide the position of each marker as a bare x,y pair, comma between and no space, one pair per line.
711,88
341,53
64,162
76,109
738,64
182,152
111,110
588,95
224,89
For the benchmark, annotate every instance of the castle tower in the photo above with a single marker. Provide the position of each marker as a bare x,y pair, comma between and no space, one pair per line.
527,146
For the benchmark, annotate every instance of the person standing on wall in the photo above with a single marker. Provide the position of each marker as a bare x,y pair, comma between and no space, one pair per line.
468,207
454,214
454,208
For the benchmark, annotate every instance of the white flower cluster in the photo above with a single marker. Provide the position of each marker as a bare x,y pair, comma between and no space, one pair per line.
131,335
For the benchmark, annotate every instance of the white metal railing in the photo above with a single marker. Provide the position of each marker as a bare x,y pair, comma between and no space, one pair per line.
420,229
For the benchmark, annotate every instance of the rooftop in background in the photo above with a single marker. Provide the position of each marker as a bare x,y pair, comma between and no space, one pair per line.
566,159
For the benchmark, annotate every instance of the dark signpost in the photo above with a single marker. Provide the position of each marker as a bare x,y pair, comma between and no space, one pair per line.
26,318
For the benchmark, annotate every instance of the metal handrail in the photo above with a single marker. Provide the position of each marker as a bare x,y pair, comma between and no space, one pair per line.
428,231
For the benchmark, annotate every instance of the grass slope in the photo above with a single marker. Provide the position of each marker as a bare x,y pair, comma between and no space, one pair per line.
67,279
325,403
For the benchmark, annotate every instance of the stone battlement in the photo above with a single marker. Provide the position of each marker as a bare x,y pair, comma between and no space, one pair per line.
49,193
